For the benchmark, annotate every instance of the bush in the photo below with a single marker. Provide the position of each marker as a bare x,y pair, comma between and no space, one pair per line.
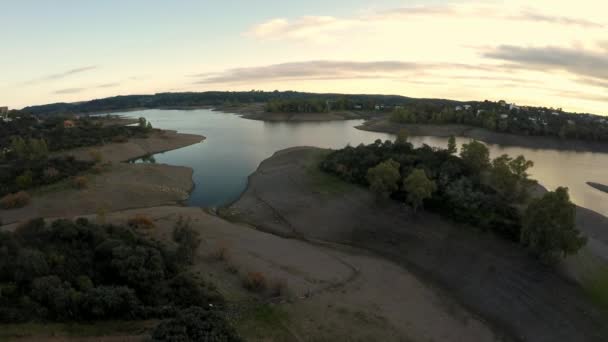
140,221
80,182
13,201
196,324
96,156
255,281
25,180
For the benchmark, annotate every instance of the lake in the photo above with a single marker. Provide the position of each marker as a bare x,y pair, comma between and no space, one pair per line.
235,147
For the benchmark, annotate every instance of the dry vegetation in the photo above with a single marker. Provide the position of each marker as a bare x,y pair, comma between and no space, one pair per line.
16,200
140,222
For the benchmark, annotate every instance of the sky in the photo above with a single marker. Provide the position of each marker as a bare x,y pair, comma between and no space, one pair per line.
544,52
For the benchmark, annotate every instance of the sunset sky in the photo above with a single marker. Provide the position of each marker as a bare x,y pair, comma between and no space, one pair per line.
541,52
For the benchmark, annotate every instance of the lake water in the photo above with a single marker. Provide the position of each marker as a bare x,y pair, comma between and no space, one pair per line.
235,147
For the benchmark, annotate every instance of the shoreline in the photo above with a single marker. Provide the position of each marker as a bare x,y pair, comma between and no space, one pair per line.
489,137
351,218
120,185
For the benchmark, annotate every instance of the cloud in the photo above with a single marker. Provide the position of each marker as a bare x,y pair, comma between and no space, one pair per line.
81,89
62,75
529,15
579,62
328,70
329,28
69,91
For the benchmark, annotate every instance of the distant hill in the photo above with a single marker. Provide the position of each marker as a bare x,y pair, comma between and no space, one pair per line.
211,98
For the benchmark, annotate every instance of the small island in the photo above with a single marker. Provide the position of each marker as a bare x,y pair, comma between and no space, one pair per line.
598,186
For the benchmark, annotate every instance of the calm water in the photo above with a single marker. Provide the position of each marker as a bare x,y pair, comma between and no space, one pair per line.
235,147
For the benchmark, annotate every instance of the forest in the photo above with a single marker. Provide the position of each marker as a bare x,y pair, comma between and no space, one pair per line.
470,189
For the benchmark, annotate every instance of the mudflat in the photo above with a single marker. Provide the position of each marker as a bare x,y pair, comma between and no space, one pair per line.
495,279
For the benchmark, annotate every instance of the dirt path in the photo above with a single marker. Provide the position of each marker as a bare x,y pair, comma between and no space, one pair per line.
493,278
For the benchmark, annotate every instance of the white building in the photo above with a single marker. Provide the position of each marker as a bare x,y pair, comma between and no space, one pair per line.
513,106
467,107
504,116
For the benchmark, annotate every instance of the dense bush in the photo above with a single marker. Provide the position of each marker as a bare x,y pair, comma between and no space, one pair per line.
16,200
79,270
469,189
24,174
196,324
459,189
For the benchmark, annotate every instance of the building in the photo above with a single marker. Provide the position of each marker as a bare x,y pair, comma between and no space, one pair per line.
467,107
513,106
504,116
3,110
458,108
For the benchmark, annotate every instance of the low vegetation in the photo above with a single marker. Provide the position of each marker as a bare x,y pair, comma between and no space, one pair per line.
469,188
69,271
16,200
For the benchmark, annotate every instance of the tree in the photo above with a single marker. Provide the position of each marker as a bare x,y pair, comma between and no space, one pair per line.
418,187
549,227
476,155
383,178
452,145
401,137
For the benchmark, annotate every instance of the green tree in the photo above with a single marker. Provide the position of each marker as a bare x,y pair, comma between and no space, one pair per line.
549,227
418,187
25,180
476,155
383,178
452,145
402,137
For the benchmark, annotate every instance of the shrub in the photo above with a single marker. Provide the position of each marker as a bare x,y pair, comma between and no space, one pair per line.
25,180
50,173
279,288
96,156
221,253
13,201
255,281
80,182
196,324
140,221
187,239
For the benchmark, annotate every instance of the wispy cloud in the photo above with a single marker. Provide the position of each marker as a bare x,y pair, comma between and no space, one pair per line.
62,75
580,62
81,89
326,70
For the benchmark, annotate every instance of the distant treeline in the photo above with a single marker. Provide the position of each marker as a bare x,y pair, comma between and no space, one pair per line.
503,117
218,98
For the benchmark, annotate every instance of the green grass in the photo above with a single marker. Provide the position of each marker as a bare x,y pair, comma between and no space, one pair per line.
264,322
322,182
596,285
109,328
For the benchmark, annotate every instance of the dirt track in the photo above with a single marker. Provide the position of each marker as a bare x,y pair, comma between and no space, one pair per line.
495,279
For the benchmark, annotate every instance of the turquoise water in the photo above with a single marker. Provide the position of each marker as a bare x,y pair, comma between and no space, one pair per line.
235,147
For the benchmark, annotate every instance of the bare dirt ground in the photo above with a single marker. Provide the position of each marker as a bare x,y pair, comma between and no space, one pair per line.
157,142
386,126
336,293
491,277
119,186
